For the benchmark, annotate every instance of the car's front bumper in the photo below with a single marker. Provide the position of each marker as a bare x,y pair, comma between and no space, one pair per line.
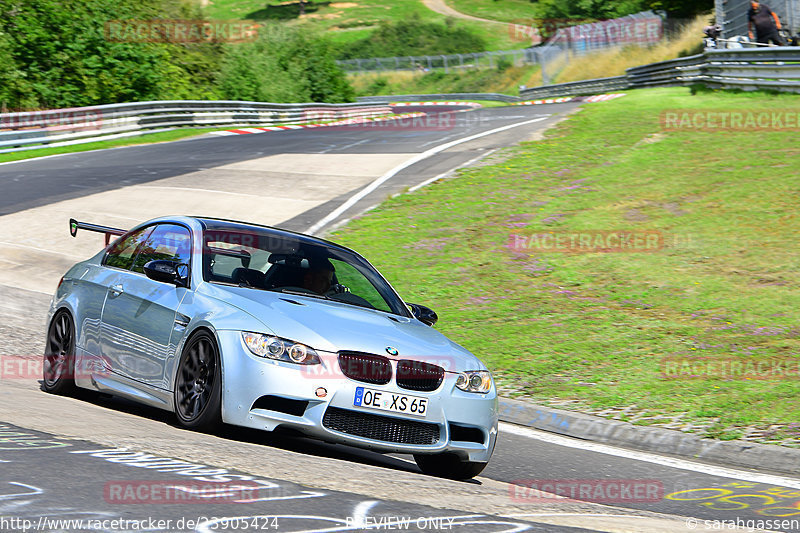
248,378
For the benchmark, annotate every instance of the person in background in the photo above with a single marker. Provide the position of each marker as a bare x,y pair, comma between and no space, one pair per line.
766,24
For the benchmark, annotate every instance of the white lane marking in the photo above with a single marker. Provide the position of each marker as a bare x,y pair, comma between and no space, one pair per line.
516,528
34,491
416,159
361,512
198,190
443,174
25,246
304,494
523,515
346,146
62,155
681,464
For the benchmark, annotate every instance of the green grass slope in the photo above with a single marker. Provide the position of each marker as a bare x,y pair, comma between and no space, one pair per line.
597,328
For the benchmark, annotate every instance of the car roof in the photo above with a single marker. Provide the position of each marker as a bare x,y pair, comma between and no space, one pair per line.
222,224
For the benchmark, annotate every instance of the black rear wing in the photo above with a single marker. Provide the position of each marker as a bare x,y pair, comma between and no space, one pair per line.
74,226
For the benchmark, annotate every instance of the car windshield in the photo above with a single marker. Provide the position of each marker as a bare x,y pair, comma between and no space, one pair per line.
264,259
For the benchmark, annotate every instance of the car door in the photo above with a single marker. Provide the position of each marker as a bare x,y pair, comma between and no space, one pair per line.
139,327
92,286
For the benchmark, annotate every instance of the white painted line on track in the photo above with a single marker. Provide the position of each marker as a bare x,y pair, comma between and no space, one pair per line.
345,147
361,512
524,515
192,189
444,174
42,157
672,462
416,159
27,247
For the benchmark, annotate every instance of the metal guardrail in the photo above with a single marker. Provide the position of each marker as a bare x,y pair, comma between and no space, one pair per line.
39,129
440,61
495,97
575,88
775,68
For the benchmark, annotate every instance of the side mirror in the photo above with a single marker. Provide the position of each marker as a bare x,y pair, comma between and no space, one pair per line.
426,315
168,272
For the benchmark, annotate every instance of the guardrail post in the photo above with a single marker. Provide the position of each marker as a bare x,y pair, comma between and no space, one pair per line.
444,58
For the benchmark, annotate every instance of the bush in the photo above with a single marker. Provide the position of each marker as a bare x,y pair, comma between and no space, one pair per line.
283,65
602,9
504,64
414,37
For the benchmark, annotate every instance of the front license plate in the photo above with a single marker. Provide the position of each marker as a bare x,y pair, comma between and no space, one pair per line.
389,401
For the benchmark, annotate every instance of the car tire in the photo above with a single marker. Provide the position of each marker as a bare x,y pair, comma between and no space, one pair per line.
198,384
58,374
448,465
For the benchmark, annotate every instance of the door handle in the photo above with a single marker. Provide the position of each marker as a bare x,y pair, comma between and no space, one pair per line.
116,290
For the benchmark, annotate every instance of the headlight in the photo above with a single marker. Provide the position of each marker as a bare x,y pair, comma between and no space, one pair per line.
475,381
279,349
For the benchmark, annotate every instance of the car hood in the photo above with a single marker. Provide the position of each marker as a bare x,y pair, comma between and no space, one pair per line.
332,326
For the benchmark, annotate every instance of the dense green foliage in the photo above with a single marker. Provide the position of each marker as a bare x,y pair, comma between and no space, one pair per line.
283,65
602,9
414,36
57,53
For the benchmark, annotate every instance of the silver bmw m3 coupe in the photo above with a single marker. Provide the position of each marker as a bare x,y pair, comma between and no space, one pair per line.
228,322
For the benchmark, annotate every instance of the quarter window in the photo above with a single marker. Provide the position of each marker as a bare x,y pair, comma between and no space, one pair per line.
122,252
167,242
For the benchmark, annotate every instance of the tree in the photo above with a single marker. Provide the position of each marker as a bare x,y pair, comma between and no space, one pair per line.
56,53
284,64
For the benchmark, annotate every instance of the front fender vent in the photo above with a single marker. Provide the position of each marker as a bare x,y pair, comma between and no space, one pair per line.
280,404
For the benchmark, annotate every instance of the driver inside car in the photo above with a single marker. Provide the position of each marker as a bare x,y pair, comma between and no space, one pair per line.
319,277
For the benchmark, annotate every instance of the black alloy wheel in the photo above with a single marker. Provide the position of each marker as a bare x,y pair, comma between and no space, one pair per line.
59,356
198,385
